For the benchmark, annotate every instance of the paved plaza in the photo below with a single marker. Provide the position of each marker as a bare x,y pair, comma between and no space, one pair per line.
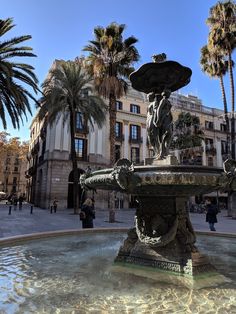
42,220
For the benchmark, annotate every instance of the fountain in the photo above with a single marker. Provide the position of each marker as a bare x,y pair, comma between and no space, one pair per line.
73,271
162,243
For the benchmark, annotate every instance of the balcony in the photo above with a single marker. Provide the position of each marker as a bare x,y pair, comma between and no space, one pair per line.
210,149
120,138
137,140
82,158
84,130
136,161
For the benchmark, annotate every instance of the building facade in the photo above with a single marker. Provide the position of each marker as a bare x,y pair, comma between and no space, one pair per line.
49,170
12,174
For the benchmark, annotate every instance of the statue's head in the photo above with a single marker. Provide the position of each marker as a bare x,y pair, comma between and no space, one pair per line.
166,93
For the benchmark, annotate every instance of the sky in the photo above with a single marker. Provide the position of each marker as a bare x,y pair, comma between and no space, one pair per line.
61,28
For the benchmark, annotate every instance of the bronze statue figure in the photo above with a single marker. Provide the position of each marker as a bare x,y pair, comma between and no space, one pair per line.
159,123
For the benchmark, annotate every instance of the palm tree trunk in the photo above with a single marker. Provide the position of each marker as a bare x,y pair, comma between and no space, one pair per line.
225,113
112,114
232,105
74,160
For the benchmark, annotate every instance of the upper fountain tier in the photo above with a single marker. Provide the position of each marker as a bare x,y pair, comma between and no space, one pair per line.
159,76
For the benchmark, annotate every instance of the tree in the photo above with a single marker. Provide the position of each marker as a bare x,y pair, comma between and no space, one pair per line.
215,65
67,91
222,37
14,97
110,62
187,133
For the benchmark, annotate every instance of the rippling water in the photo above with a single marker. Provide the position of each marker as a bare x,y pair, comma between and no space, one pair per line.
73,274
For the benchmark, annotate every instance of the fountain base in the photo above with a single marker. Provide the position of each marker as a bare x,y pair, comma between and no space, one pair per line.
207,279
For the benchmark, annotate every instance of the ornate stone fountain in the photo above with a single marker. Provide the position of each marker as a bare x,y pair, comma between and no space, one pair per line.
163,238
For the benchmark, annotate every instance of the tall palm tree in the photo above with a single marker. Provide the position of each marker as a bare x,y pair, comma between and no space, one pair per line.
222,36
215,65
67,91
110,61
14,97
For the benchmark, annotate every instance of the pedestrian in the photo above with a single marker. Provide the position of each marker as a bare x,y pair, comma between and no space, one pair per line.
211,212
15,201
54,204
21,199
87,213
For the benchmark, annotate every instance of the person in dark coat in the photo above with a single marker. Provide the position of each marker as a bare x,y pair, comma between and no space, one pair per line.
88,209
211,212
21,199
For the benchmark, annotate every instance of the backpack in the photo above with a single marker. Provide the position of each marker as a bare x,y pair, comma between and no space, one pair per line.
82,215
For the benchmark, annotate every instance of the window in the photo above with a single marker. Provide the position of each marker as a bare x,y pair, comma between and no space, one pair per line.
117,152
209,125
209,142
14,180
119,105
134,132
15,169
79,121
17,161
210,149
134,108
135,155
81,148
223,127
210,161
223,147
118,130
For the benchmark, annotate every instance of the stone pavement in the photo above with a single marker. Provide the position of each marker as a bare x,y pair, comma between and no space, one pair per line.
41,220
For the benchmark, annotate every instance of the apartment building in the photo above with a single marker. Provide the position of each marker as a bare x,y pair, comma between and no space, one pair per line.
49,170
12,174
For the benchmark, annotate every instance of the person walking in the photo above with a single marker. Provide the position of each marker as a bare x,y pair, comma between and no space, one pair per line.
211,212
21,199
15,201
54,204
87,213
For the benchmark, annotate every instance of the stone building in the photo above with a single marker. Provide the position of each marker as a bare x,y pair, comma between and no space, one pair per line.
12,174
50,171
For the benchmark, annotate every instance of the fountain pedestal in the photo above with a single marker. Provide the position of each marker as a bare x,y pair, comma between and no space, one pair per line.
164,238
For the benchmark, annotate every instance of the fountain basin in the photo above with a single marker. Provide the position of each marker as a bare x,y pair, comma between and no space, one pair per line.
162,180
75,273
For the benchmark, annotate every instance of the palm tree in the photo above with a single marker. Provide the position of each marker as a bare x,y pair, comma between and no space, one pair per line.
215,65
67,91
110,62
222,36
14,98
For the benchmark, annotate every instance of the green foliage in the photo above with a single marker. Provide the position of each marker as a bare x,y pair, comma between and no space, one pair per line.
14,97
67,89
110,63
110,59
12,146
187,132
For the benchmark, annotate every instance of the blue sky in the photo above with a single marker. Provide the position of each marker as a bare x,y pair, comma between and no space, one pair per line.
60,29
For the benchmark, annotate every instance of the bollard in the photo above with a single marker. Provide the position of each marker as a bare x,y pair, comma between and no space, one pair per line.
31,209
51,209
9,213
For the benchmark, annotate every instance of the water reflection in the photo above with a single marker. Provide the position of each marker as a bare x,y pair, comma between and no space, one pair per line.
74,273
